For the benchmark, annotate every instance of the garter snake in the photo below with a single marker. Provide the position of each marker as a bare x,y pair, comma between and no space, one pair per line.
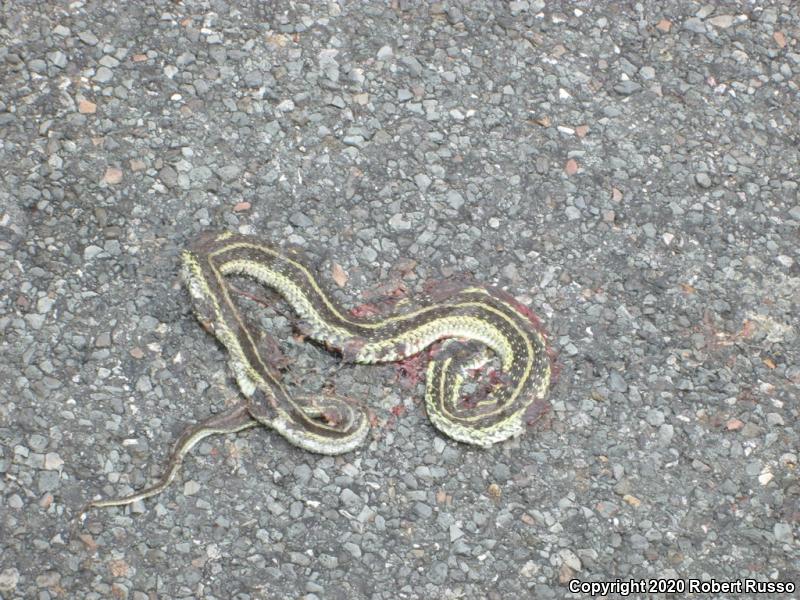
466,318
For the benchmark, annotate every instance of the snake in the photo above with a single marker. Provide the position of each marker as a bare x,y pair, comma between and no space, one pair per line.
461,328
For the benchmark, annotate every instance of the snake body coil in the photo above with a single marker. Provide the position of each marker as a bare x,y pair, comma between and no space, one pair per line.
467,318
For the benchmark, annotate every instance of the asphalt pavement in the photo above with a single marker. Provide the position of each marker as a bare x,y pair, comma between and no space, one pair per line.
628,171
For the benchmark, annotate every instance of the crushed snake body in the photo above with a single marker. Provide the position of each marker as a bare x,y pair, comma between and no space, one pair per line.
470,321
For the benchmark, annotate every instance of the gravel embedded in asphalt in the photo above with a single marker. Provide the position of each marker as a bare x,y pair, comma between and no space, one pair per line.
626,170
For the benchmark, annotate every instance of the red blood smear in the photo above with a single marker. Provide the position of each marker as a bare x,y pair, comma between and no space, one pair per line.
364,310
410,370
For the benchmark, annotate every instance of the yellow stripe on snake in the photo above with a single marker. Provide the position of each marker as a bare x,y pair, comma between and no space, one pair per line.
474,322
